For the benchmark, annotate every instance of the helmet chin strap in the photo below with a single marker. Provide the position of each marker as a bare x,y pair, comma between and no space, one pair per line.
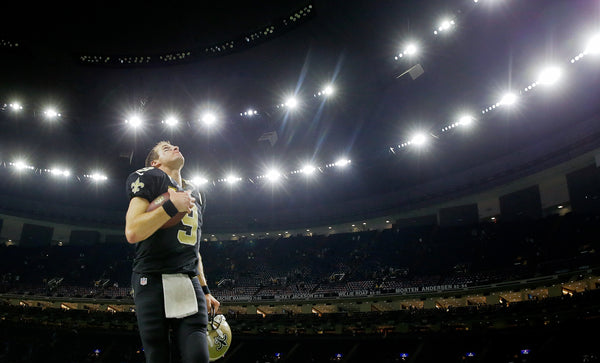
211,319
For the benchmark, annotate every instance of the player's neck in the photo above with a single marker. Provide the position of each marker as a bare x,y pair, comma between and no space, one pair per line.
175,174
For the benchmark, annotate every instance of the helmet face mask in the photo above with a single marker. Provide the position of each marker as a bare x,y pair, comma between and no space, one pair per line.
218,334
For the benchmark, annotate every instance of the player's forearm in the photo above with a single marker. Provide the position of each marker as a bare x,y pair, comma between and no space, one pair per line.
142,226
201,276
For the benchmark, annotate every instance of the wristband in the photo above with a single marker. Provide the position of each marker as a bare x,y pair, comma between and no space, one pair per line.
170,208
205,290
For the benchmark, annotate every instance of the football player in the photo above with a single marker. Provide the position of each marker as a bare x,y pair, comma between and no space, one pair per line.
170,289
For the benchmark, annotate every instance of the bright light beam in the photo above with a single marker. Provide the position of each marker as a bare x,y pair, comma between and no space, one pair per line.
16,106
291,102
97,176
593,46
51,113
171,121
199,180
208,119
328,90
21,165
273,175
342,162
411,49
60,172
466,120
134,121
232,179
418,139
508,99
445,25
308,169
549,75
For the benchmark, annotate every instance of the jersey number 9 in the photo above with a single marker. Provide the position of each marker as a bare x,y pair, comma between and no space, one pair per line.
185,236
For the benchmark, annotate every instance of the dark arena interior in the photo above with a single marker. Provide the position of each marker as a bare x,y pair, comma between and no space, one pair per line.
407,181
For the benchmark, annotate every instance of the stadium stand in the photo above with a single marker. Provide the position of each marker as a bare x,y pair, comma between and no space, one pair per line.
275,276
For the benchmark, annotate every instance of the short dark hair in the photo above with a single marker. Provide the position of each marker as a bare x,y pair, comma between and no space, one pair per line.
153,154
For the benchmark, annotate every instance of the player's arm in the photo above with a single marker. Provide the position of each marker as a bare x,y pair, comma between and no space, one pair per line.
212,304
140,224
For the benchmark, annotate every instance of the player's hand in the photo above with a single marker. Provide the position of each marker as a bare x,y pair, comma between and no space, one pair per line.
212,304
183,201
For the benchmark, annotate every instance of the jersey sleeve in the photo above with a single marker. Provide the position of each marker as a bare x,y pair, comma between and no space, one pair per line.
143,183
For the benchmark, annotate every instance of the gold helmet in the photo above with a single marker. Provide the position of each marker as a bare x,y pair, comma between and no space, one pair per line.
218,335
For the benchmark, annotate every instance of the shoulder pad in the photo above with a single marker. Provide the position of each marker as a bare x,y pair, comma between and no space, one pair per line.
149,170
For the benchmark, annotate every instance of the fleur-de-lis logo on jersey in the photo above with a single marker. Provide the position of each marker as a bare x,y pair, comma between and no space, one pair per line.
136,186
220,341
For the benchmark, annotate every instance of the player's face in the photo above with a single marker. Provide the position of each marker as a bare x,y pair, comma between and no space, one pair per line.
169,154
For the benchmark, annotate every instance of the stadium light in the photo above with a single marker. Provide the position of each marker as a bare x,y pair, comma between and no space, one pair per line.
170,121
418,139
232,179
97,176
134,121
327,91
508,99
466,120
51,113
549,75
593,45
60,172
411,49
15,106
308,169
199,180
250,112
342,162
20,165
291,102
208,119
273,175
445,25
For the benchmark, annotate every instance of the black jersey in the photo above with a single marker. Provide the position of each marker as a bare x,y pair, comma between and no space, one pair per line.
169,250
